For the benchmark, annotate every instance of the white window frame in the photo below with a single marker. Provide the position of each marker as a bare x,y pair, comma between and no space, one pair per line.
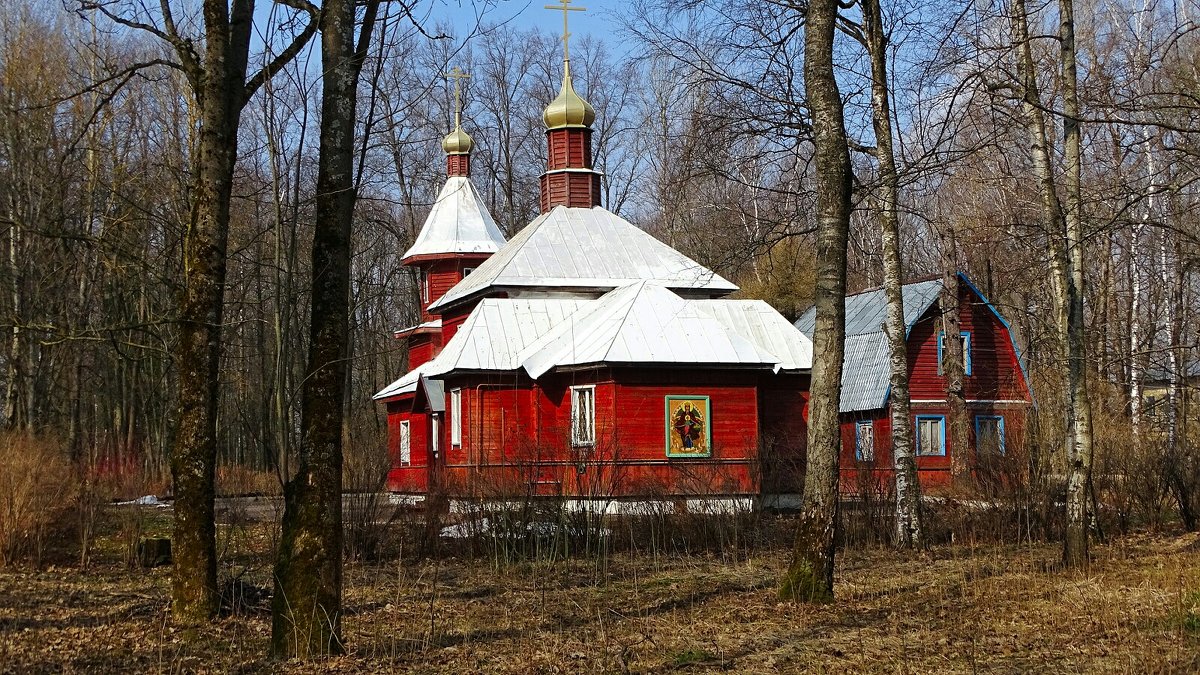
583,416
864,430
466,271
405,443
456,440
435,436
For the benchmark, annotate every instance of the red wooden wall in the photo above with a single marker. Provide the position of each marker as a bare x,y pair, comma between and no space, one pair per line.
996,387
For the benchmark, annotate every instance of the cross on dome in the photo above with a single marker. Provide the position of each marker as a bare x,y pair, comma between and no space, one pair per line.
568,109
457,142
564,6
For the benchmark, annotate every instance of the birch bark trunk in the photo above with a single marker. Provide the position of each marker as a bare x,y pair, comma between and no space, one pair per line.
909,530
810,576
1079,474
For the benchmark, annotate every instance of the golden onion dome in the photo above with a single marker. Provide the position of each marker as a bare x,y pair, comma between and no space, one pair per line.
568,109
457,142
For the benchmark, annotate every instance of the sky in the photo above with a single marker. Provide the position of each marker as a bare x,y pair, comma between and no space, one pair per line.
601,20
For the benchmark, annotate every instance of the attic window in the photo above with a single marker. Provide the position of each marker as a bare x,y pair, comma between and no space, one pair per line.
966,350
864,441
466,271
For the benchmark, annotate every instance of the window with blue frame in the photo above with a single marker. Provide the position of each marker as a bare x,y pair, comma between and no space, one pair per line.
966,343
931,435
989,435
864,441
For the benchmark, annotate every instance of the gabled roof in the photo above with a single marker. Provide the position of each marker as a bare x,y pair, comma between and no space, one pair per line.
866,311
866,369
584,249
458,223
762,325
642,323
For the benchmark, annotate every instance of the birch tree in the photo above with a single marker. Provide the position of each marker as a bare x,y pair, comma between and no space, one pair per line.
909,530
810,575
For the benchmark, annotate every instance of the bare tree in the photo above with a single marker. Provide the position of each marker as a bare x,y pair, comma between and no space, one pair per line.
306,609
909,529
810,576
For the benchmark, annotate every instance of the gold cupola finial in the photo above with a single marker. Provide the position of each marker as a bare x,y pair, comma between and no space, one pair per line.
568,109
457,142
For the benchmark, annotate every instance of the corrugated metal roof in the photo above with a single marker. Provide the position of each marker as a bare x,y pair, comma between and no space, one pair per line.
866,371
641,323
498,329
866,312
759,323
458,223
575,248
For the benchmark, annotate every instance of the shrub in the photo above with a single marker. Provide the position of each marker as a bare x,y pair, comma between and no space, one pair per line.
38,489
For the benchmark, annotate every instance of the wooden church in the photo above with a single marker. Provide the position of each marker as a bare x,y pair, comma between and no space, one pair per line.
584,358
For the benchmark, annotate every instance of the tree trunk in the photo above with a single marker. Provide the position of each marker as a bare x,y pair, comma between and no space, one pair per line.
810,576
1079,475
1052,214
306,607
193,459
909,530
954,362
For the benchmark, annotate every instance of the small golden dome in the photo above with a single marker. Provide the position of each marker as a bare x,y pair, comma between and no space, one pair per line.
457,142
568,109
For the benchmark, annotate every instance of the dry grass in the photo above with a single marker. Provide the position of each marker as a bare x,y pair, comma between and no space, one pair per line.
990,609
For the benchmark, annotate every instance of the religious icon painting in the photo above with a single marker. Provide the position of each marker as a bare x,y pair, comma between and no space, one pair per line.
689,426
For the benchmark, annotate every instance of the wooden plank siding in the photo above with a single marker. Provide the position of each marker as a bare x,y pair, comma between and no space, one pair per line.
517,435
995,387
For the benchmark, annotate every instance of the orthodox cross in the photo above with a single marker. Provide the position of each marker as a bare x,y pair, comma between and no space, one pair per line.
458,76
564,6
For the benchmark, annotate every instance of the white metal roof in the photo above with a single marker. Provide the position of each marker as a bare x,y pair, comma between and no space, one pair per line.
641,323
428,325
761,324
866,312
405,385
580,248
458,223
498,329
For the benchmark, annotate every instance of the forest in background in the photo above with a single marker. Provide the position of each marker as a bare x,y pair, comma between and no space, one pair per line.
702,139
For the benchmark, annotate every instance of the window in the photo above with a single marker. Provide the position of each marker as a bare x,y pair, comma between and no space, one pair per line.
864,441
583,416
966,343
467,270
424,281
456,418
931,435
435,434
989,435
405,444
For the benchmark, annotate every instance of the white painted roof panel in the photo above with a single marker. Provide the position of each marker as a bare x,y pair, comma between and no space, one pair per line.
642,323
585,249
459,222
866,370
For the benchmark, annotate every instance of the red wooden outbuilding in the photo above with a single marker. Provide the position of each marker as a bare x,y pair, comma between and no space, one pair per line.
996,387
